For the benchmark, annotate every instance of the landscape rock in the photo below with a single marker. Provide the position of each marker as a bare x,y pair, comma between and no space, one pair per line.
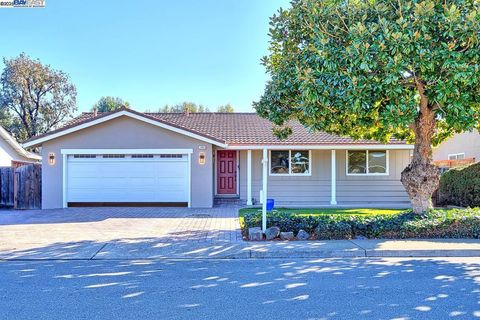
255,234
272,232
303,235
286,235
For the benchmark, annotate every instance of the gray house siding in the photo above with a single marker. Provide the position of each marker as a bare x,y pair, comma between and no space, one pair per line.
315,190
373,190
126,133
466,142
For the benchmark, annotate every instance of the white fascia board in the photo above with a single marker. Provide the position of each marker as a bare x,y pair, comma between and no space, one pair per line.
17,147
126,151
325,147
114,116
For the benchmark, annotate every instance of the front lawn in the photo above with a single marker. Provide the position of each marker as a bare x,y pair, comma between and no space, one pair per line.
319,211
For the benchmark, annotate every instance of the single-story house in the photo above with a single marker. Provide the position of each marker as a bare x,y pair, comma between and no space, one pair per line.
461,147
132,158
12,153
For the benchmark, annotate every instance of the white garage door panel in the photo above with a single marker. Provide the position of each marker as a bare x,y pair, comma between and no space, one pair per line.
127,180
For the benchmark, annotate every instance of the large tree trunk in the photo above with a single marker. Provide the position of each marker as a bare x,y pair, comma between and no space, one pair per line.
420,178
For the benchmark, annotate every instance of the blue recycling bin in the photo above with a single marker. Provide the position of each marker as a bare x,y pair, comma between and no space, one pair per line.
270,204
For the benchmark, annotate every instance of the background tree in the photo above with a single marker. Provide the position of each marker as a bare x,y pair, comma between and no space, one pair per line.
378,69
226,108
10,122
35,96
108,104
184,106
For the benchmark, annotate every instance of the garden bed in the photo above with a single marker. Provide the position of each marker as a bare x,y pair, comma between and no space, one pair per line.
452,223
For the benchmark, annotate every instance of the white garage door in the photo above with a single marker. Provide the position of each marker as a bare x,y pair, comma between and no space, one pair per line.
127,178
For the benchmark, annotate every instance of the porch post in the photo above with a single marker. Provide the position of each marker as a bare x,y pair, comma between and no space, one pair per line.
333,198
264,189
249,177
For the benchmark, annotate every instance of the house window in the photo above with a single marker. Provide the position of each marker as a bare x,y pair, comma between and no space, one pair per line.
113,156
84,156
367,162
456,156
171,156
141,156
290,162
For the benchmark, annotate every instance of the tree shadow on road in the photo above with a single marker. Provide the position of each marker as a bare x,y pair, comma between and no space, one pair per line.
360,288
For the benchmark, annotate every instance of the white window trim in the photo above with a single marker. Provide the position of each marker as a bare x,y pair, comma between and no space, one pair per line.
368,174
290,174
456,155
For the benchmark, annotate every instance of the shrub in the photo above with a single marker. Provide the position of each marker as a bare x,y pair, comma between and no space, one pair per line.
461,186
333,230
284,221
455,223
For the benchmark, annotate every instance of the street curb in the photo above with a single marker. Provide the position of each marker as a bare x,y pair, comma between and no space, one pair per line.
279,255
306,254
267,250
422,253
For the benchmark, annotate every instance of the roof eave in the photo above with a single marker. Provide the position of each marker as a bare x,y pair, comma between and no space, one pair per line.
349,146
17,147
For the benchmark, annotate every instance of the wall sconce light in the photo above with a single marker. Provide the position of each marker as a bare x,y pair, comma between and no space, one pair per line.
201,158
51,158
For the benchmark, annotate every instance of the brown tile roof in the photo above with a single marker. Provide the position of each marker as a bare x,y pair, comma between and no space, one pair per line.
233,129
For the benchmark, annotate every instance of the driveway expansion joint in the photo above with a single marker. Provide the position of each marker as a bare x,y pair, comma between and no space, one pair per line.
98,251
356,244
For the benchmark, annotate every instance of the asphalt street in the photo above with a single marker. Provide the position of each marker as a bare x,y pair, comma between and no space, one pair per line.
441,288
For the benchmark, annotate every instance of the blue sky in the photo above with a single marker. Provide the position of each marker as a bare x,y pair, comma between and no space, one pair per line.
150,53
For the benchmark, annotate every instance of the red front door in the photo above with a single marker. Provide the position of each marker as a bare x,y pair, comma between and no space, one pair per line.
226,172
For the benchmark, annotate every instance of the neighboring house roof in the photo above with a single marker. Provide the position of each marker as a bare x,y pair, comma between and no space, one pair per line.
225,129
4,135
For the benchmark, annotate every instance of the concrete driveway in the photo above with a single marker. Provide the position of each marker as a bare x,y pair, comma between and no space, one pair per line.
84,233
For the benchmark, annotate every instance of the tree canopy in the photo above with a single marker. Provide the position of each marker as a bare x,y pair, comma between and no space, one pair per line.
226,108
378,69
184,106
108,104
34,98
193,107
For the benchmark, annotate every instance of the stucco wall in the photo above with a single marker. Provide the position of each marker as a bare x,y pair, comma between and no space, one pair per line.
315,190
7,154
126,133
466,142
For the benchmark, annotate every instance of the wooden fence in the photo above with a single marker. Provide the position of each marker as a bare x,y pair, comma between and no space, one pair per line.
6,186
21,188
453,163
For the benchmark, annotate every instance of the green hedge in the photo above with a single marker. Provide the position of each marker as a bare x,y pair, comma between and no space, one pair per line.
461,186
454,223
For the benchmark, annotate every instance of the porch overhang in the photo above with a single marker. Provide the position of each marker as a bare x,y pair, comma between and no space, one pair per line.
322,147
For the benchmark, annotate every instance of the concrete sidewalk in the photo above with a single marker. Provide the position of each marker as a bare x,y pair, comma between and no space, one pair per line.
126,249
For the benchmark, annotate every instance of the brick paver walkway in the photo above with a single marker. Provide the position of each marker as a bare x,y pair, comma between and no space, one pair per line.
45,227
